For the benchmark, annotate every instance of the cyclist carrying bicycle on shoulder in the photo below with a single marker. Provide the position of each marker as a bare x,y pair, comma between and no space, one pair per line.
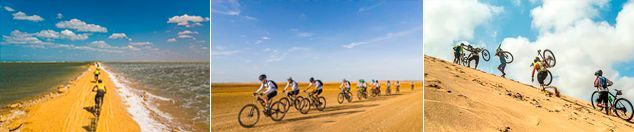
457,52
601,84
542,73
502,65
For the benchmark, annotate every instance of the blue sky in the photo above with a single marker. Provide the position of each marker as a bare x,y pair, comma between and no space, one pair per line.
113,30
585,35
328,40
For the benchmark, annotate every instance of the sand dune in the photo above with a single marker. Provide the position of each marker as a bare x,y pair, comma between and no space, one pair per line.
458,98
402,112
71,110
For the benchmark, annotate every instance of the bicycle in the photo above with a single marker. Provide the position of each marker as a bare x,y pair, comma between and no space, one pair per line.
276,112
97,107
289,98
375,92
621,106
388,91
507,55
466,58
344,95
549,59
397,89
361,93
318,102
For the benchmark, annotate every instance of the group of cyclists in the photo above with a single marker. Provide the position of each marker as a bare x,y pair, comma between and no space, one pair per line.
99,88
541,65
318,85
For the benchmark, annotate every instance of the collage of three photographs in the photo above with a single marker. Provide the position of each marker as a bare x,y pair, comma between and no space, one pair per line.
316,65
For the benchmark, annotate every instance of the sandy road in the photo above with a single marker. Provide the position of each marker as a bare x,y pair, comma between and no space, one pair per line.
72,110
401,112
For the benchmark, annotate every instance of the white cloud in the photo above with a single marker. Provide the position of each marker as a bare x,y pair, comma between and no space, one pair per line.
262,39
118,36
265,38
187,20
558,14
65,34
18,37
580,45
99,44
23,16
9,9
276,55
381,38
222,52
302,34
517,2
447,21
229,7
185,36
60,16
81,26
362,9
141,43
187,32
171,40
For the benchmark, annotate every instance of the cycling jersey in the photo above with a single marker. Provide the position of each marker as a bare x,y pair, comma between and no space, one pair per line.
97,72
361,85
398,84
101,87
346,84
270,87
293,86
388,85
319,85
538,66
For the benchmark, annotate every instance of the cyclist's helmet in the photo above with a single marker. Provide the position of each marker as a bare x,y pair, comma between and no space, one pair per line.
290,79
311,79
100,81
361,80
388,81
598,73
461,44
262,77
536,59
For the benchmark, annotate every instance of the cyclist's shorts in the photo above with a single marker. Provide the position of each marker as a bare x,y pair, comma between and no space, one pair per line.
271,95
541,76
100,93
295,92
318,91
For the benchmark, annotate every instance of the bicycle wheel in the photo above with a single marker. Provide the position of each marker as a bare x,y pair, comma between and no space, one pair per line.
508,56
550,58
304,106
349,98
287,103
549,78
248,112
297,102
322,103
593,100
359,95
278,111
623,109
340,98
486,55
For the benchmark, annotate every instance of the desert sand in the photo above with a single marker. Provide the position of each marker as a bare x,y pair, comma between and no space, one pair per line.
70,110
459,98
399,112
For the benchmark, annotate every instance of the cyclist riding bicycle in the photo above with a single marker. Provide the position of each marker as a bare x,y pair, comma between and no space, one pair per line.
377,86
502,65
317,84
388,85
457,51
294,88
539,66
100,88
345,85
601,84
97,73
271,89
361,85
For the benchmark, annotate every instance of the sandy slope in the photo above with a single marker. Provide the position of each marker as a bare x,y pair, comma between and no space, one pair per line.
401,112
69,112
458,98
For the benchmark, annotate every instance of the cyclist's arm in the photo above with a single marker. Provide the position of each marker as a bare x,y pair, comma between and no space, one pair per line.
308,87
261,87
94,88
533,73
287,84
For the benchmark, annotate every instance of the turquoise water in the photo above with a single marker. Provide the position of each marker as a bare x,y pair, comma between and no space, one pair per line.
24,80
179,90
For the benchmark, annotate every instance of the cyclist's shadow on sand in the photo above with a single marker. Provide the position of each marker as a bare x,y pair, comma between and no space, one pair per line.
332,109
92,127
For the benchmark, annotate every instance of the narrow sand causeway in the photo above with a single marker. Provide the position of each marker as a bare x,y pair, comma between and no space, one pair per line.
400,112
71,110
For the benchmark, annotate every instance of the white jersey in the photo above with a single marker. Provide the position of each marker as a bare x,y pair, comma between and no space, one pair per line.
398,84
293,86
319,85
361,85
388,84
346,84
377,84
270,87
